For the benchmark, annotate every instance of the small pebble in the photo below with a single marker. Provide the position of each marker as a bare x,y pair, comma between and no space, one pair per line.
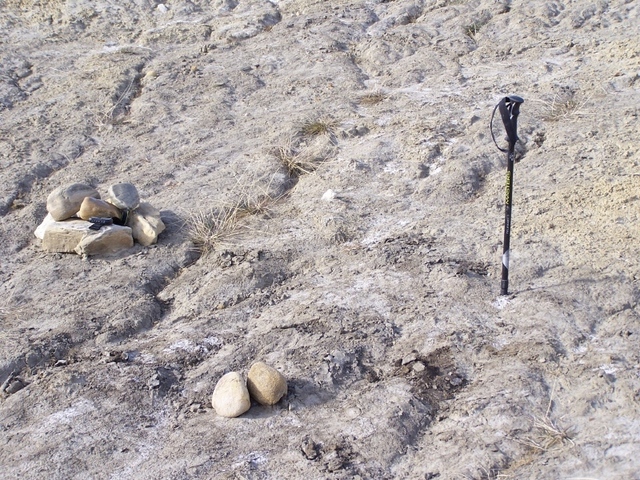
418,367
455,381
329,195
412,357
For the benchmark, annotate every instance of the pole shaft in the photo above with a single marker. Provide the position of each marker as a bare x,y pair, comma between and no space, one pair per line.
508,198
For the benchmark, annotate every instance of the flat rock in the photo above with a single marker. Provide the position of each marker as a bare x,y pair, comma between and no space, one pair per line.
64,202
61,236
107,240
94,207
266,385
231,397
124,196
42,228
146,224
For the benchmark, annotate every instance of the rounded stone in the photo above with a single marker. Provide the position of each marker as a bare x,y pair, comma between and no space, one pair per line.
230,397
124,196
64,202
266,385
146,224
94,207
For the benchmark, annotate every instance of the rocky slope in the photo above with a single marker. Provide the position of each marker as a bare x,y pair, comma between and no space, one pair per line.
350,140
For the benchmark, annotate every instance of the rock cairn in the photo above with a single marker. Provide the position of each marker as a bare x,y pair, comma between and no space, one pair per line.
78,220
232,396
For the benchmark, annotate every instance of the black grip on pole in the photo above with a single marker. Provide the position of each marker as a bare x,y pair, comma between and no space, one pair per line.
509,110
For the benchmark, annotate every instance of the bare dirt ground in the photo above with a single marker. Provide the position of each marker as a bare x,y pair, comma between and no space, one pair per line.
379,300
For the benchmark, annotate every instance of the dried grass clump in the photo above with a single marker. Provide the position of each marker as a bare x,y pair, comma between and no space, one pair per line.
118,112
299,158
10,307
318,126
295,162
372,98
211,229
563,105
220,227
472,29
547,432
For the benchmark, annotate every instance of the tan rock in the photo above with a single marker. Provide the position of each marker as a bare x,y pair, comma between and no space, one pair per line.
61,236
230,397
146,224
64,202
94,207
265,384
107,240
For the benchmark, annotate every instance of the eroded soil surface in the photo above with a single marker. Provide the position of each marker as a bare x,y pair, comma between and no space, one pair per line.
370,273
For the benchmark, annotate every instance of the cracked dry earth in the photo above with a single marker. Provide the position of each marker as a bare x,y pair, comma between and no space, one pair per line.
369,276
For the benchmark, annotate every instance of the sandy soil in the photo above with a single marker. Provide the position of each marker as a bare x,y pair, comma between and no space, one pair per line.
379,301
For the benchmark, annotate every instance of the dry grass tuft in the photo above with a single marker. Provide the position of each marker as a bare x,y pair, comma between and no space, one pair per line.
548,433
211,229
10,308
318,126
473,28
295,162
118,112
372,98
299,158
563,105
221,227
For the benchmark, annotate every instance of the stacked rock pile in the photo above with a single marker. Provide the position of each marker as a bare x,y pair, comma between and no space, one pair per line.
232,396
80,221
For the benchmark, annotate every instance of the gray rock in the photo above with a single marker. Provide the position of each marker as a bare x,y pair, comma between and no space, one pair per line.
124,196
15,386
64,202
231,397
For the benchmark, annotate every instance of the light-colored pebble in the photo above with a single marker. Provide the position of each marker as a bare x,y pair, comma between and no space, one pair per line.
329,195
419,367
231,397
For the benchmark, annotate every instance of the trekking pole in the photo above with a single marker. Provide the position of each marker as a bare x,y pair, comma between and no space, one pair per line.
509,110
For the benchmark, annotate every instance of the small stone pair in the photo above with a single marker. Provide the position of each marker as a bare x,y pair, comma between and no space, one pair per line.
232,396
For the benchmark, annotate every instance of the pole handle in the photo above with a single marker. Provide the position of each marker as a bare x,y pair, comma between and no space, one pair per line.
509,110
